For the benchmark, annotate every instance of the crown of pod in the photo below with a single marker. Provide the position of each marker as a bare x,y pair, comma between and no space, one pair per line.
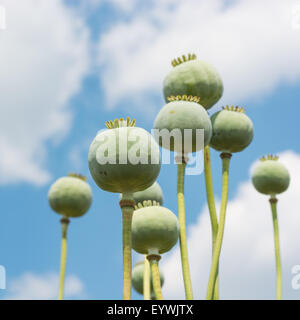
177,61
119,123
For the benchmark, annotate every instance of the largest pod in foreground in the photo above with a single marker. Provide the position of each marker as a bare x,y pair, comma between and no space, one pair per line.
124,158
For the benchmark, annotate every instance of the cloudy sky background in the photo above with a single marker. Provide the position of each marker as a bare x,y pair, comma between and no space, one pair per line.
68,66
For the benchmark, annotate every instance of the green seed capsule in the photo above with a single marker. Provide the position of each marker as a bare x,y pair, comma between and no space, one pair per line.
193,77
124,159
138,278
232,130
154,228
70,196
183,114
153,193
270,176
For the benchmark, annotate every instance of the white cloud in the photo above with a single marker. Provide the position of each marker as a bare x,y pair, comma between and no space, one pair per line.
247,266
252,43
30,286
43,58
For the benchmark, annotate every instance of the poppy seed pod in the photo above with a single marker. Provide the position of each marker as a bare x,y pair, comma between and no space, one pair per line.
138,278
193,77
153,193
232,130
154,228
124,158
270,176
70,196
183,113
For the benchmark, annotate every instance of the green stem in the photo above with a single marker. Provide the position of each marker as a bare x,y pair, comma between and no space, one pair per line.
211,207
63,259
182,231
147,280
127,207
210,192
219,239
155,278
273,202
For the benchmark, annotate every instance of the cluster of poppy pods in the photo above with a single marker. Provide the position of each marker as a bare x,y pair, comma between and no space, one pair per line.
190,89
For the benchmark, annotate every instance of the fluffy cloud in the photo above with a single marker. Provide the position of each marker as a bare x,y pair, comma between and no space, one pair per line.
243,39
43,58
30,286
247,266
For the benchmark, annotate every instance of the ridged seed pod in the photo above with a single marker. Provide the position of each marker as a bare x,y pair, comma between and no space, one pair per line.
113,153
193,77
70,196
270,176
180,114
232,130
154,228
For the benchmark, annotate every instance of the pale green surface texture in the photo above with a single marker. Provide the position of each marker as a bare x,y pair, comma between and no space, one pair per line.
138,277
70,196
154,227
196,78
153,193
232,131
270,177
184,115
124,146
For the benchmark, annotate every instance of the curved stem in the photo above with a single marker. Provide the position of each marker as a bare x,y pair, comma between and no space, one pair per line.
211,207
127,207
273,202
210,192
216,287
219,239
155,277
147,280
182,231
63,258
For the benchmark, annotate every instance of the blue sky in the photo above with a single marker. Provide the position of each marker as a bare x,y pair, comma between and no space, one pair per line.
92,61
